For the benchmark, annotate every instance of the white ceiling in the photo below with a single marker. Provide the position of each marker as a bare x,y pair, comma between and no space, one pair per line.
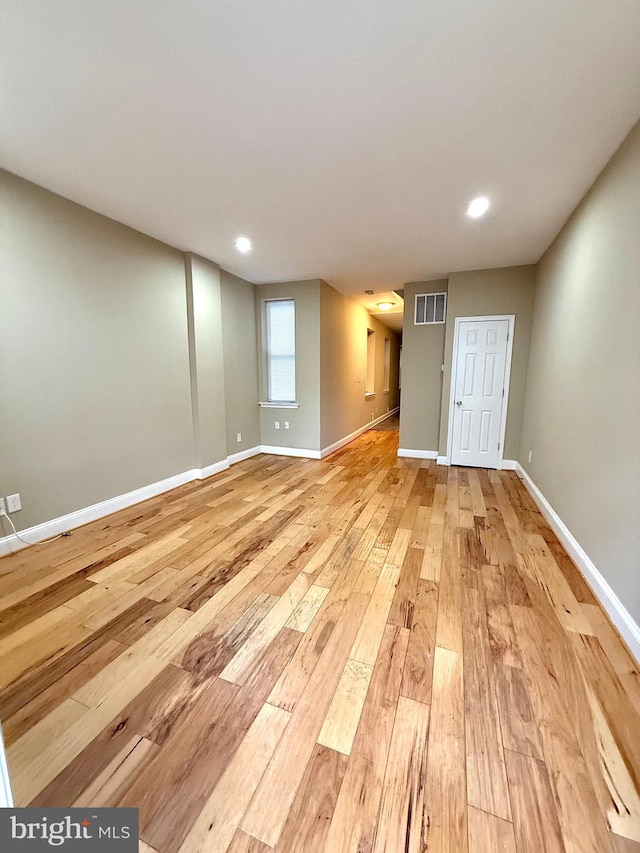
344,137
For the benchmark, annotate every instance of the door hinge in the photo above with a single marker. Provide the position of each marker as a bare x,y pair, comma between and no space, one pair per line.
503,392
508,333
498,445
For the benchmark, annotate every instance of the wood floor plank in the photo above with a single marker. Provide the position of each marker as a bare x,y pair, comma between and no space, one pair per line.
446,771
582,820
354,821
215,826
449,626
486,774
367,643
623,804
310,815
535,820
489,834
404,599
402,819
199,749
241,663
119,773
624,845
243,843
517,720
305,612
31,765
556,587
418,668
502,638
63,688
343,716
265,818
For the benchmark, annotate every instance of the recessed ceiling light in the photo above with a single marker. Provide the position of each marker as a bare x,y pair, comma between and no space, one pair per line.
384,306
243,244
478,207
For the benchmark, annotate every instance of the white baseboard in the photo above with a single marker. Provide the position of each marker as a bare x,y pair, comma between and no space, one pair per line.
11,543
619,615
276,450
244,454
417,454
347,439
210,470
507,464
62,524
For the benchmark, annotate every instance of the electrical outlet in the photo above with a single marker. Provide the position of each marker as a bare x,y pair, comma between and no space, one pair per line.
13,503
277,424
370,416
530,455
239,437
3,508
387,408
286,424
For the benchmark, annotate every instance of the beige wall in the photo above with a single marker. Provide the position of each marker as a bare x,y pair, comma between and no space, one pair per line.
509,290
240,362
582,406
344,407
422,359
94,360
204,306
304,430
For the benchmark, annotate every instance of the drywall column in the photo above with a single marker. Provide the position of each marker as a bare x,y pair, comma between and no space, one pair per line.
239,337
204,316
422,359
304,422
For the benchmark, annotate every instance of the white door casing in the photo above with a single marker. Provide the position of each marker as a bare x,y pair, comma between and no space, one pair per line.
480,373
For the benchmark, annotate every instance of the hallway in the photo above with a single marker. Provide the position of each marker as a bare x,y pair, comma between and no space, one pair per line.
363,653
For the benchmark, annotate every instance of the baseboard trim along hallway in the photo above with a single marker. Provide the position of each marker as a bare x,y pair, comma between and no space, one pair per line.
619,615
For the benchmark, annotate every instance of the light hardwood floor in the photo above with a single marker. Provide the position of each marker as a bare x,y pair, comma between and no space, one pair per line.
358,654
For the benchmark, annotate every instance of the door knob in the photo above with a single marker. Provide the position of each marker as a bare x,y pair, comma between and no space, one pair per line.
459,403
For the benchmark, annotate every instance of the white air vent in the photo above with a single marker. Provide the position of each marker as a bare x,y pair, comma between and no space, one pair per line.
430,308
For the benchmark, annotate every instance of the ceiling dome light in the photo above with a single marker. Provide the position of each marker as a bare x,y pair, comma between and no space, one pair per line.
385,306
243,244
478,207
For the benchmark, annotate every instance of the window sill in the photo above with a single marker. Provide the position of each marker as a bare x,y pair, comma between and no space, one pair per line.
269,405
369,394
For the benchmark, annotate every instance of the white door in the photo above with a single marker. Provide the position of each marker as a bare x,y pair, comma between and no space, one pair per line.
479,392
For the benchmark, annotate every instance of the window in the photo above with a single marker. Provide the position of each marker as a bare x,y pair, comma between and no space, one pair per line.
430,308
371,362
280,325
387,364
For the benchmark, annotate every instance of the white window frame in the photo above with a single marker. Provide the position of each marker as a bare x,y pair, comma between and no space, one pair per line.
267,358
